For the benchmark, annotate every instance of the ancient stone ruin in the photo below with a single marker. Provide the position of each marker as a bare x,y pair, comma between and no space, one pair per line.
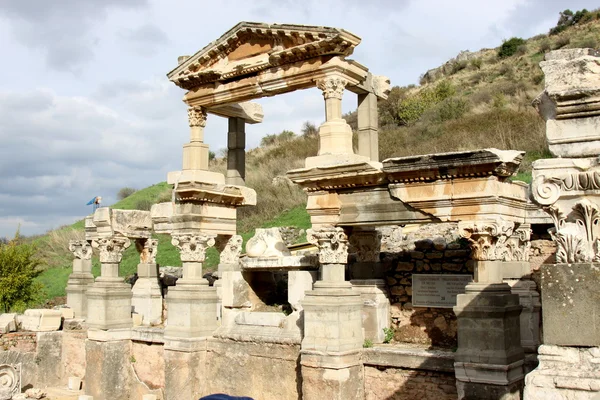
441,251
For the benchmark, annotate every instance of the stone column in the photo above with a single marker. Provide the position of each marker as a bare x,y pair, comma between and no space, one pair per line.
236,152
81,278
517,274
368,138
489,359
195,153
147,297
109,298
232,289
335,135
330,352
191,304
367,279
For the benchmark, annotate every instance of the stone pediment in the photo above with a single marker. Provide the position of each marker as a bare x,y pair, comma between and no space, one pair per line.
250,47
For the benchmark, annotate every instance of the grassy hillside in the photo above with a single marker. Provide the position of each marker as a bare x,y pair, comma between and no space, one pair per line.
476,100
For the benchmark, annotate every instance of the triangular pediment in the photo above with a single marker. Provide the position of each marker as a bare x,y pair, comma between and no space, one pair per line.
250,47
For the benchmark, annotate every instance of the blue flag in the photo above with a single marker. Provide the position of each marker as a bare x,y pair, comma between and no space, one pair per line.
89,203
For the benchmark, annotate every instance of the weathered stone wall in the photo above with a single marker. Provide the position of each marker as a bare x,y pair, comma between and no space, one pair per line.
432,249
401,384
254,369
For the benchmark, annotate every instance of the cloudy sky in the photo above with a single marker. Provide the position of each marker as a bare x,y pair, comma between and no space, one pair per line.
86,108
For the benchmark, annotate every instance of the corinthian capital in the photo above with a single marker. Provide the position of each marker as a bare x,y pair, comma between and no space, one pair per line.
366,245
147,249
81,249
332,243
197,116
518,244
332,87
230,248
111,249
487,238
192,248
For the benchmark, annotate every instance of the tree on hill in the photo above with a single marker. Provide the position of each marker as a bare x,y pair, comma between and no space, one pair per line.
19,266
125,192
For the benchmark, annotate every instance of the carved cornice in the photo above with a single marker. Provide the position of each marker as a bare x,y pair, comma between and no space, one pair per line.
286,44
111,249
230,248
332,243
332,87
192,248
81,249
147,249
487,238
197,116
366,245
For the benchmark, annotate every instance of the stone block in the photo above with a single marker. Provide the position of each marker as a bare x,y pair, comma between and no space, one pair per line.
74,383
40,320
299,282
236,291
8,323
570,297
109,363
376,308
49,358
109,304
66,312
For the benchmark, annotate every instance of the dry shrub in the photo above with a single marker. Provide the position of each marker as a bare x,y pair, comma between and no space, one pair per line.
262,165
54,247
482,96
561,42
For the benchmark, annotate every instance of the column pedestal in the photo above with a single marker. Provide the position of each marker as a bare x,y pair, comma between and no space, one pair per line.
192,315
109,304
330,355
489,359
79,282
146,295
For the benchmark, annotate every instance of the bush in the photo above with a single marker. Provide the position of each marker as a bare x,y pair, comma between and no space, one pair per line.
521,50
476,63
448,109
211,155
588,43
125,192
309,129
561,42
144,204
458,66
510,47
19,266
545,45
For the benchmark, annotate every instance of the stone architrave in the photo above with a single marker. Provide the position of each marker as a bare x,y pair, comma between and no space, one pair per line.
81,278
489,359
192,304
333,332
109,298
147,297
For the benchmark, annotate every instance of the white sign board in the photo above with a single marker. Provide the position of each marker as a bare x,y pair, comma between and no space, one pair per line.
438,290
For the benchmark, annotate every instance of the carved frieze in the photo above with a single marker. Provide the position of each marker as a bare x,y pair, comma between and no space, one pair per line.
366,245
192,248
197,116
332,87
81,249
487,238
147,249
230,248
332,243
111,249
